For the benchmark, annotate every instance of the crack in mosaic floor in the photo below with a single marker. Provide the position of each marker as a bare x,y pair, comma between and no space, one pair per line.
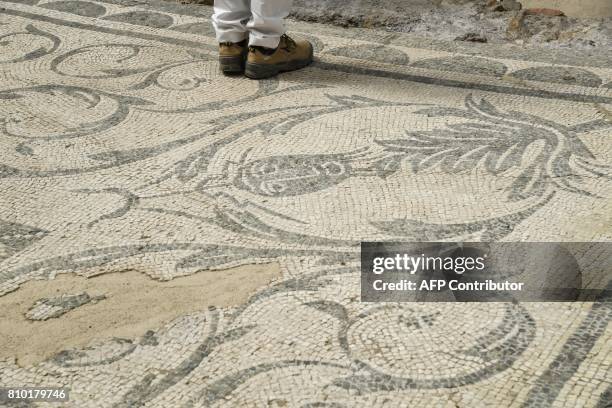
123,146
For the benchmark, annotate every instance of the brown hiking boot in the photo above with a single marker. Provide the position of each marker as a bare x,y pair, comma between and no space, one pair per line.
288,56
232,57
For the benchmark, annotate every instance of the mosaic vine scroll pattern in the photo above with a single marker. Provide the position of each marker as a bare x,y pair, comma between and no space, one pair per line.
123,148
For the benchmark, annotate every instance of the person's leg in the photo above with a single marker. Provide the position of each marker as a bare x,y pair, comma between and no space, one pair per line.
266,23
229,19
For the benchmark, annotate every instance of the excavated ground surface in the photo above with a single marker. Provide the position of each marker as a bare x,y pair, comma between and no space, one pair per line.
456,19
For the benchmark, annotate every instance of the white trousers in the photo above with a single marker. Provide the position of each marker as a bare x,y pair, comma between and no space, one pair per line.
259,20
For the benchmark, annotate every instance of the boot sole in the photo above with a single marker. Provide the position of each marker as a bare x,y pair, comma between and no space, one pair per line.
262,71
232,65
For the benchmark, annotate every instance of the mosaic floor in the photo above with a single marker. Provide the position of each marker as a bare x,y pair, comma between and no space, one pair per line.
124,149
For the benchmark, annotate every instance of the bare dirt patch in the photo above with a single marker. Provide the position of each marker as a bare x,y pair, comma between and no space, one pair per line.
486,20
134,303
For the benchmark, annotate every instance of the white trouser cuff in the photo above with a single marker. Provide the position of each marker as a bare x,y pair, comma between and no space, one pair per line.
229,20
267,41
231,36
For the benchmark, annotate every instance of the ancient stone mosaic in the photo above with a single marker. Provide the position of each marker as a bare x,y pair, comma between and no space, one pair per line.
123,148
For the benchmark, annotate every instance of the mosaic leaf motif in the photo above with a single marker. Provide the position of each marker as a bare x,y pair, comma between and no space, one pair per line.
205,29
102,354
489,138
560,75
8,171
501,346
28,2
491,229
81,8
49,308
16,237
368,52
215,257
143,18
464,64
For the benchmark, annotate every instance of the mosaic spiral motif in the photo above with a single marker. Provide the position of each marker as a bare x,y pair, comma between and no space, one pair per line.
123,146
